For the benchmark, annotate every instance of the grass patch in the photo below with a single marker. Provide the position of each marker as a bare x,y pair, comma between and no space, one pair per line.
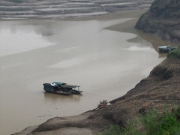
161,124
116,130
153,123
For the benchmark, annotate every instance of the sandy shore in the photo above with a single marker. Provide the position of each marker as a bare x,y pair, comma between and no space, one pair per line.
65,8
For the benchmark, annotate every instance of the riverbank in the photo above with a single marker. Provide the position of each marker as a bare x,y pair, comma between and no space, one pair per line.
165,82
89,122
44,53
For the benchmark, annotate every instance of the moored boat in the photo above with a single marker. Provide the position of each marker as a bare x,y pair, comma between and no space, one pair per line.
49,88
61,88
166,49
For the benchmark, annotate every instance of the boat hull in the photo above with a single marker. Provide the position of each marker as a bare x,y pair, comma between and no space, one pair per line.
76,92
50,89
61,93
62,89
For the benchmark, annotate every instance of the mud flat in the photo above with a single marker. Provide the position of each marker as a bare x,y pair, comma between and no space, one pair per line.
66,8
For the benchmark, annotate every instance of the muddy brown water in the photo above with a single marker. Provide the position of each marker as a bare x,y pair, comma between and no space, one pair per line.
106,57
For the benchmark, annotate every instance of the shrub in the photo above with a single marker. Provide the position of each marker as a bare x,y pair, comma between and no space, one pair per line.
112,130
175,54
153,123
116,130
161,124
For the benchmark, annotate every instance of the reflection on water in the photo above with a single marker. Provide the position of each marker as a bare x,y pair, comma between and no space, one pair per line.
106,63
18,39
56,98
144,49
162,55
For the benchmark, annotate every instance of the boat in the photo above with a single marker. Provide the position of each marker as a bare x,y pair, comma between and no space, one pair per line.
51,89
61,88
166,49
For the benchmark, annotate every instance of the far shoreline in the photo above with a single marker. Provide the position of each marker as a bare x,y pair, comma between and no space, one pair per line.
67,9
122,14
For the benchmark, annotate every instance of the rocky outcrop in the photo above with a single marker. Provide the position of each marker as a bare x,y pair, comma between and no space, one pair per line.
162,19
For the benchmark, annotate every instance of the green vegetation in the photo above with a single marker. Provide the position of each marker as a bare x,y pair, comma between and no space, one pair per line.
166,123
116,130
153,123
175,54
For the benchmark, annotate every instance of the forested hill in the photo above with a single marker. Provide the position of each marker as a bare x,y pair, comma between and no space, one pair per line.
162,19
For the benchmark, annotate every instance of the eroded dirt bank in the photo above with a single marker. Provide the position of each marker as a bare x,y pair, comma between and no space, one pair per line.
160,88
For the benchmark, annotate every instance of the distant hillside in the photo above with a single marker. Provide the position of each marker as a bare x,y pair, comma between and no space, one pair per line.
162,19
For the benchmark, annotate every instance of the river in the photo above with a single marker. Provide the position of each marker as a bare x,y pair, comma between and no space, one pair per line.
106,57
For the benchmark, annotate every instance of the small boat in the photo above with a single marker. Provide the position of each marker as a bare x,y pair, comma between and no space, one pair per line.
61,88
166,49
49,88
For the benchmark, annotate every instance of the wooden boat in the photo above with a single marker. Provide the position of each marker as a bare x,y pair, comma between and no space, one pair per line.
49,88
61,88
